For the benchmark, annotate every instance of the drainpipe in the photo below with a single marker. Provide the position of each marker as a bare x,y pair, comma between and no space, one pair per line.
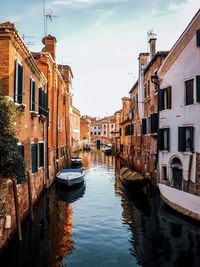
155,80
57,98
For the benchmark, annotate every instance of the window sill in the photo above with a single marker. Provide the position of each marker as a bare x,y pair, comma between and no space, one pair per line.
20,106
33,113
188,153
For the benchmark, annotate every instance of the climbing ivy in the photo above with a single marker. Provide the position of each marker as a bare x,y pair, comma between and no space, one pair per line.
11,162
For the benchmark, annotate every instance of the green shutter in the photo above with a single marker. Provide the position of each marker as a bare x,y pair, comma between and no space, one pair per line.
168,140
160,99
34,158
181,139
192,139
20,84
144,126
198,88
198,38
40,101
154,122
41,154
160,139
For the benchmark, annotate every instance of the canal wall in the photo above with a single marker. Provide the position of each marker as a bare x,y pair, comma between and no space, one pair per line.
8,219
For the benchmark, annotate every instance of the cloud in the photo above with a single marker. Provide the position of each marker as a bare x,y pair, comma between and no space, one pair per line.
104,15
85,3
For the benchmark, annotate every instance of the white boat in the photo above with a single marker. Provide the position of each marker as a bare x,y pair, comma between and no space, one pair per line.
70,177
183,202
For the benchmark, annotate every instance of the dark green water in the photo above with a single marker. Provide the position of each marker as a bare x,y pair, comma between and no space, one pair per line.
99,224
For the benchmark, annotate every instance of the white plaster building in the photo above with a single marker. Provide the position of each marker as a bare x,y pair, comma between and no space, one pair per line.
179,117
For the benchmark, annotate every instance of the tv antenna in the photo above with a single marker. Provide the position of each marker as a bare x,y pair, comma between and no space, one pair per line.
48,16
28,42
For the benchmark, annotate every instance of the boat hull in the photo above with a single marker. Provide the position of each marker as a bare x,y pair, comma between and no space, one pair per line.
183,202
70,178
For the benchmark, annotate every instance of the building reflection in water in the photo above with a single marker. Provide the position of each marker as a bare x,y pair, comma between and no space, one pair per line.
63,244
158,236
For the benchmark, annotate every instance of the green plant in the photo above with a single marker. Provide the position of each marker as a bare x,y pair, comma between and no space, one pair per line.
11,162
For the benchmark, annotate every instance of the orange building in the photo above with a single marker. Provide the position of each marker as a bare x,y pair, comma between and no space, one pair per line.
41,91
85,128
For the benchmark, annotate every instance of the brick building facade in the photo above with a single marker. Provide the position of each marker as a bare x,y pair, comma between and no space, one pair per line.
41,93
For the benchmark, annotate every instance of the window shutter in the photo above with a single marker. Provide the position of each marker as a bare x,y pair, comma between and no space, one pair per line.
45,104
34,158
15,82
33,95
20,84
144,126
120,131
20,149
181,139
41,154
40,101
160,139
198,38
168,140
160,99
169,98
198,88
30,100
154,123
192,139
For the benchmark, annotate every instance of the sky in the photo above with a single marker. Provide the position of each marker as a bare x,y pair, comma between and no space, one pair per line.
100,40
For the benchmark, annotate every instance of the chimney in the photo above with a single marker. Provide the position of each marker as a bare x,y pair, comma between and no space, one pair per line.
152,43
50,45
143,59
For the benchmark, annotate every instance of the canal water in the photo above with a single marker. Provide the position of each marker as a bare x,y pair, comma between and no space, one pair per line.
99,224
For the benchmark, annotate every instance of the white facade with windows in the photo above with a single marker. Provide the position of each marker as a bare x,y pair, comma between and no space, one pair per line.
179,104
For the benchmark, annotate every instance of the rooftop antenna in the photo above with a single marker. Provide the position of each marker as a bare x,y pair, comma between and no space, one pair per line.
29,42
49,17
150,34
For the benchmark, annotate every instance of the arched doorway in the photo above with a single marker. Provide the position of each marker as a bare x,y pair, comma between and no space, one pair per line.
177,172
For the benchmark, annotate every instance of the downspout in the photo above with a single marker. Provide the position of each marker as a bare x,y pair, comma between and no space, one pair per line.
155,80
57,97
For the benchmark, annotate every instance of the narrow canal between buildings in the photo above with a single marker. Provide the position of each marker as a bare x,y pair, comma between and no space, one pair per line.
98,224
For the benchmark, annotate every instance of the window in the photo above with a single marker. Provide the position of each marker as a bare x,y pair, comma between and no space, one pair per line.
20,149
104,132
95,127
42,102
32,95
41,154
189,94
154,122
185,139
198,38
18,82
99,127
34,158
163,139
148,125
99,133
129,130
144,126
91,133
164,98
95,133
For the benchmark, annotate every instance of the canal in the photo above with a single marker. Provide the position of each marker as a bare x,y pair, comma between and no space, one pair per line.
99,224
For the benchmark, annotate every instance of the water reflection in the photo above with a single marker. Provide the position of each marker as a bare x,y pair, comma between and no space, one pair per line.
102,224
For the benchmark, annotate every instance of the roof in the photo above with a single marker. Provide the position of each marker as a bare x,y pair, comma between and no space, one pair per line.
161,54
134,86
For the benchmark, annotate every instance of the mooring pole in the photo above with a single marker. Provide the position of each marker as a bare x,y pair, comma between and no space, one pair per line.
19,230
30,196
